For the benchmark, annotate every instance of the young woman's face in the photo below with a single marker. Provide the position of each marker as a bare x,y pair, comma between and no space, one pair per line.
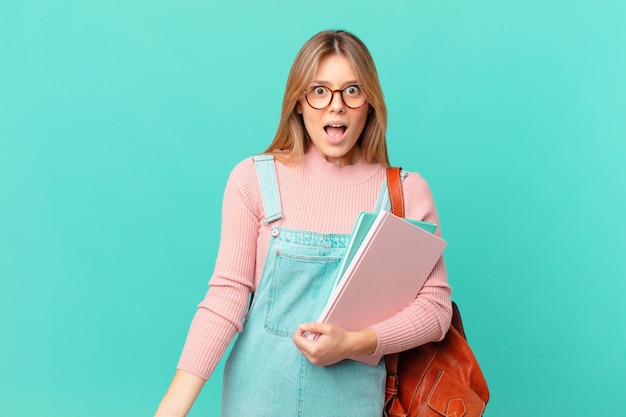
335,129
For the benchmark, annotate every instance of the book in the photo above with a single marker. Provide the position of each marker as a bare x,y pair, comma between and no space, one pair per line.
384,275
361,226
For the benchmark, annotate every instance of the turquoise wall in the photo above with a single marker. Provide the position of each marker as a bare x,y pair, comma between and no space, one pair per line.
120,122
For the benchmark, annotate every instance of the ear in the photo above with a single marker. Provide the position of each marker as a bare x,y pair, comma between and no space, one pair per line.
298,108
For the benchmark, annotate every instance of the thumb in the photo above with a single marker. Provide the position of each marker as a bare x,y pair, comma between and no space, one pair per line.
312,327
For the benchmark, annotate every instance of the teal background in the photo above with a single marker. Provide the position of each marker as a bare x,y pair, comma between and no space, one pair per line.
120,122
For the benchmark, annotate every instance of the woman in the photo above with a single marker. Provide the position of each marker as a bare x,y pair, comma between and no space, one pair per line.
286,220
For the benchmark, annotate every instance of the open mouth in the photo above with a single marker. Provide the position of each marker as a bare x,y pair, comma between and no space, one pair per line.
335,130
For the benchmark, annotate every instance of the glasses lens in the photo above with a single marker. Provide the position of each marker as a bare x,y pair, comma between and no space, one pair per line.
319,97
353,96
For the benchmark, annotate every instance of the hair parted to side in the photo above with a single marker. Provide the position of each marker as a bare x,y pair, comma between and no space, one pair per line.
291,138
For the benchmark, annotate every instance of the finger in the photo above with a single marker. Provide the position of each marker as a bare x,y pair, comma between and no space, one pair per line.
307,330
320,328
300,332
303,344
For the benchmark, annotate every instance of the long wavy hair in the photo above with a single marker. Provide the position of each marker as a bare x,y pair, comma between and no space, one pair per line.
292,140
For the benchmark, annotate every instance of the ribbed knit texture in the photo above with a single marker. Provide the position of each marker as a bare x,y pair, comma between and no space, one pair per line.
317,196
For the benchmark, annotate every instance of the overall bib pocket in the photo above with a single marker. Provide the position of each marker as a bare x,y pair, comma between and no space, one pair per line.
295,294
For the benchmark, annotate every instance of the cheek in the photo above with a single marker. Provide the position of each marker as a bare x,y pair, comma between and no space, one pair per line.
309,125
363,117
310,117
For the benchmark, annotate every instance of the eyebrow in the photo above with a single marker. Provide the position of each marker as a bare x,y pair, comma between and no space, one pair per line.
327,83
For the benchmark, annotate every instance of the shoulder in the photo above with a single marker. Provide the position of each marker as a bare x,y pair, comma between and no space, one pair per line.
243,185
243,174
413,176
418,198
246,172
415,182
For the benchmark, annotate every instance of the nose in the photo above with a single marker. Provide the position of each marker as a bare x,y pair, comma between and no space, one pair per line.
336,102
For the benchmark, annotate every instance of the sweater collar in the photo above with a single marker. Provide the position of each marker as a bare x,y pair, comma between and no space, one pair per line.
349,174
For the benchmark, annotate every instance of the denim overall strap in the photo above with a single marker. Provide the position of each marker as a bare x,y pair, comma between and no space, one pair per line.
266,173
383,202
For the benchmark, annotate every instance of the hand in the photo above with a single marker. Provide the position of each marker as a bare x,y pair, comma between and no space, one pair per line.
333,343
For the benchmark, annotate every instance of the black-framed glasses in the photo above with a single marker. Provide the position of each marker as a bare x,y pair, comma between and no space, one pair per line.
319,96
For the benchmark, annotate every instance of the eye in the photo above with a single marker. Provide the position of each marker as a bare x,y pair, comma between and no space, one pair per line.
353,90
319,90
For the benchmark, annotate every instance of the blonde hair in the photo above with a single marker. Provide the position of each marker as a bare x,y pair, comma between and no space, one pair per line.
291,138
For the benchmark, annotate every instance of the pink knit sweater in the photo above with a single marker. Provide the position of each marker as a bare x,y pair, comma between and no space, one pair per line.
318,196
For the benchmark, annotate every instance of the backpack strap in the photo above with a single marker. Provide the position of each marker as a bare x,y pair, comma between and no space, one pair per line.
384,201
396,196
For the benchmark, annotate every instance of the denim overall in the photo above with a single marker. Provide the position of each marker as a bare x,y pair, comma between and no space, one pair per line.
265,374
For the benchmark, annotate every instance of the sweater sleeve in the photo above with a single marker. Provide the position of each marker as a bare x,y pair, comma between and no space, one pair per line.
428,318
220,314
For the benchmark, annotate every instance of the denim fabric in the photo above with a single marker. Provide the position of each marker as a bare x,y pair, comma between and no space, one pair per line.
265,374
268,182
